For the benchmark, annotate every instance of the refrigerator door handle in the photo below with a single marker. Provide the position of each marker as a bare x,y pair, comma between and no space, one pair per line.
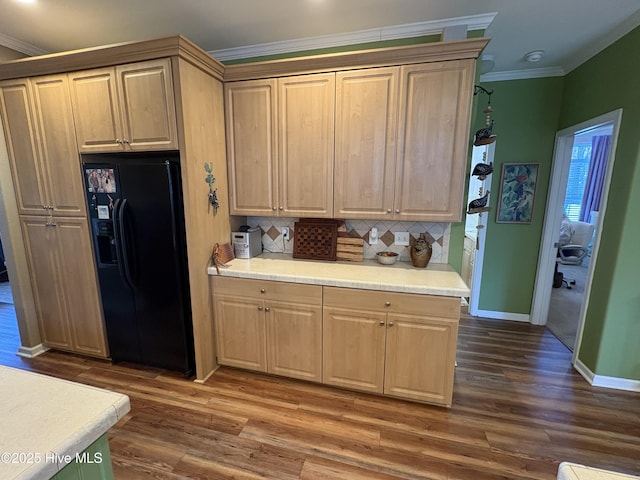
172,200
120,242
126,263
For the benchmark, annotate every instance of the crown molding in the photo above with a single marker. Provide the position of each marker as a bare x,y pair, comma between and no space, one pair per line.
522,74
473,22
603,42
19,46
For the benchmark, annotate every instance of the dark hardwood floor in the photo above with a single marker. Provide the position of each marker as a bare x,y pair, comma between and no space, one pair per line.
519,410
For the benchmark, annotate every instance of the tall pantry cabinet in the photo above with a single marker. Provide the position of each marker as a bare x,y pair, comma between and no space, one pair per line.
38,125
158,95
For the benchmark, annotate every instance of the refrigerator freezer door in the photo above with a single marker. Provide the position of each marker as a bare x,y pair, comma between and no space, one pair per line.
153,249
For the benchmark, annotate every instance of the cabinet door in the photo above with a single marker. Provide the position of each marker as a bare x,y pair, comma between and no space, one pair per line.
47,281
468,254
22,146
433,137
305,146
240,332
96,110
353,348
250,119
366,119
148,105
294,340
84,311
64,284
420,357
60,161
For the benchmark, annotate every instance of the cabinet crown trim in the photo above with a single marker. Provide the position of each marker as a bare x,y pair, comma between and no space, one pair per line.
111,55
379,57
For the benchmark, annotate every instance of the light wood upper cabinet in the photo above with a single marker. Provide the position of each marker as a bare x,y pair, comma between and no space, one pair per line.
306,143
127,108
42,146
433,137
64,282
251,123
280,136
399,137
366,120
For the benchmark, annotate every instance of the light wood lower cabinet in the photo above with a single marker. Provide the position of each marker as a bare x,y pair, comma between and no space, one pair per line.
397,344
272,327
64,282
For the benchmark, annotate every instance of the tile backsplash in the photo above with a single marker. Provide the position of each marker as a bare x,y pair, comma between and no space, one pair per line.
437,234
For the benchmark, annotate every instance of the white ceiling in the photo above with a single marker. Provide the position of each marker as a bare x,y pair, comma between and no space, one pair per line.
569,31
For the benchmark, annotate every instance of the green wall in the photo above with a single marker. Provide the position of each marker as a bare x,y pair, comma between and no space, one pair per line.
611,340
526,114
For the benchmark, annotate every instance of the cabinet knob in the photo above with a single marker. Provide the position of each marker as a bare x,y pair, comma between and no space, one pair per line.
118,140
267,309
281,207
381,323
397,210
260,308
262,290
124,140
391,324
389,210
387,304
274,208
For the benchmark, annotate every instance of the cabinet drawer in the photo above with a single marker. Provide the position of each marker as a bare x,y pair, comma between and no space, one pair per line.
268,290
444,307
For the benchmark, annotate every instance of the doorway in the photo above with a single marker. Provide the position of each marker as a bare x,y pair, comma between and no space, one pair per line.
5,288
476,228
547,262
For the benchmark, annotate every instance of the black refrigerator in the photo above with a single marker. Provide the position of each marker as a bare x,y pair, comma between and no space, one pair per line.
137,222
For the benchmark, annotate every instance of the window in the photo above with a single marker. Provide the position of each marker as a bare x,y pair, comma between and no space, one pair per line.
580,158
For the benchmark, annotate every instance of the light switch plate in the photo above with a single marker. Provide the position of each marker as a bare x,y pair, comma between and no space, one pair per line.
401,238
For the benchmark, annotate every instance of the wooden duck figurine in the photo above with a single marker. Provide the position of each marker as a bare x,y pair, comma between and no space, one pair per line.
484,136
482,170
479,204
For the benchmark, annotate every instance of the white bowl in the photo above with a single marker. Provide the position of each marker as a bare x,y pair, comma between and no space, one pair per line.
387,258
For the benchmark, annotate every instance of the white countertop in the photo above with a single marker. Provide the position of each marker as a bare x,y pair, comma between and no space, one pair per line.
574,471
436,279
44,420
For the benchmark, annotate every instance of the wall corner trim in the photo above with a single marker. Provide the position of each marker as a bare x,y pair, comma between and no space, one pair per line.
606,382
515,317
31,352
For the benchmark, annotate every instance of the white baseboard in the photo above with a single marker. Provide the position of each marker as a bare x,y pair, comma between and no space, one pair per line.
604,381
207,376
31,352
516,317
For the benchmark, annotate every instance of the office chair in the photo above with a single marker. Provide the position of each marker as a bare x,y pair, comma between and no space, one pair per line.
574,252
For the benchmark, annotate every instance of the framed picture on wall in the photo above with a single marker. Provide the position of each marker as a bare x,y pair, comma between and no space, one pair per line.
517,192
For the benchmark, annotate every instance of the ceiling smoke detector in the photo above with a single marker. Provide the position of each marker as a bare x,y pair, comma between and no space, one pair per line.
534,56
487,62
